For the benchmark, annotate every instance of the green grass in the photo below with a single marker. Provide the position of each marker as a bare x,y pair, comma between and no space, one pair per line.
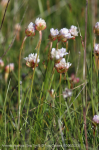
44,121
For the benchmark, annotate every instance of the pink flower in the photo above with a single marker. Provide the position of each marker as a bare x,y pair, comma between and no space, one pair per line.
31,60
53,34
62,66
96,119
64,35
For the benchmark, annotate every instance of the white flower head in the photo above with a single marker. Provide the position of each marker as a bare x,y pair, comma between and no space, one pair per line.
67,93
96,119
96,28
96,49
58,54
31,60
73,31
30,31
62,66
97,25
40,24
53,34
64,35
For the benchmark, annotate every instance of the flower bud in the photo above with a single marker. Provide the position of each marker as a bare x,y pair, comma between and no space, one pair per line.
9,67
1,64
40,24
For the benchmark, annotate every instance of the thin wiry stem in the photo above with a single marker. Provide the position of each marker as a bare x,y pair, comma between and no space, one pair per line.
4,14
84,77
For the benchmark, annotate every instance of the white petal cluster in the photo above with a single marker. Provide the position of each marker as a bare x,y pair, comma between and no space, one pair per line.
97,25
67,93
54,32
65,33
62,64
96,48
57,54
96,118
31,27
40,21
32,58
73,30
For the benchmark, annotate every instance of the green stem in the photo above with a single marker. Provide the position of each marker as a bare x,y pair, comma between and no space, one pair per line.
40,33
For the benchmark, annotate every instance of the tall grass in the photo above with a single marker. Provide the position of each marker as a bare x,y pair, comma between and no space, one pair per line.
30,116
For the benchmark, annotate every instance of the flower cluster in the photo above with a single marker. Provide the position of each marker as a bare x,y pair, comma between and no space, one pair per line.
96,45
96,49
67,93
60,63
39,25
32,60
62,66
58,54
64,34
96,28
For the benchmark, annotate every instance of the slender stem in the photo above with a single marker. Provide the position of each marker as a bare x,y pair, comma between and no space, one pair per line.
40,33
19,75
20,104
60,93
84,77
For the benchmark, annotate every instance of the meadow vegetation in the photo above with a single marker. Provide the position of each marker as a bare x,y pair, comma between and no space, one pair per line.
43,106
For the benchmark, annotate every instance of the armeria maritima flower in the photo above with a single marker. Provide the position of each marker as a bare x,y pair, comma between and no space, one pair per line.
9,67
62,66
53,34
67,93
73,31
40,24
30,31
96,28
96,49
58,54
96,119
64,35
32,60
